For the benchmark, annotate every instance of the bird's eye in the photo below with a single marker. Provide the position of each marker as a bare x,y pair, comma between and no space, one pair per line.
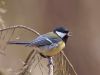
66,31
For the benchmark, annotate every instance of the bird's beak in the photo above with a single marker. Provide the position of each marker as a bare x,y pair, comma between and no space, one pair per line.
69,34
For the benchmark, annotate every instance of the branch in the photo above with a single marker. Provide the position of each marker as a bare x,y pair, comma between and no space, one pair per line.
20,26
69,62
50,66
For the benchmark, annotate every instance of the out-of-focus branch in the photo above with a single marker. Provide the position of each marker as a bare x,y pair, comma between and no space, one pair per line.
69,62
20,26
30,57
3,10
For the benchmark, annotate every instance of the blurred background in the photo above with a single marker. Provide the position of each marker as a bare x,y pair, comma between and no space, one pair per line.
80,16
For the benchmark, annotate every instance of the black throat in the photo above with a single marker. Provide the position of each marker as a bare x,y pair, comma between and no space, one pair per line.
65,39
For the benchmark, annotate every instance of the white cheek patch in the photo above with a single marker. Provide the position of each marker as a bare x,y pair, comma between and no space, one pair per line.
61,34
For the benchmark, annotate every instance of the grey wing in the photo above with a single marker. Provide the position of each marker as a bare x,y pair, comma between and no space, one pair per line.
41,41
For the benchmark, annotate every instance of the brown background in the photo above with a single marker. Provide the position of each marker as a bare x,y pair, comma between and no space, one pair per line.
80,16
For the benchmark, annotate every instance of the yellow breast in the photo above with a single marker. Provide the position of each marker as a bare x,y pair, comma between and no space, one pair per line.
55,50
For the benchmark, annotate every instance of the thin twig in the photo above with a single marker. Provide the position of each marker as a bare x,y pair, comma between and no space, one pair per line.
69,62
21,26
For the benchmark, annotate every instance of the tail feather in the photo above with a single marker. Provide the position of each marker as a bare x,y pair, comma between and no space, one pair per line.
19,43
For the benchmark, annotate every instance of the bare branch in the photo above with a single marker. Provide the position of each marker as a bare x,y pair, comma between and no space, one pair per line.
20,26
50,66
69,62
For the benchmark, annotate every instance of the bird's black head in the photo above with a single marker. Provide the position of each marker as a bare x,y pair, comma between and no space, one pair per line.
62,32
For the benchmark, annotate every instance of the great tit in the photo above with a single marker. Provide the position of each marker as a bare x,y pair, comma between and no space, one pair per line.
49,44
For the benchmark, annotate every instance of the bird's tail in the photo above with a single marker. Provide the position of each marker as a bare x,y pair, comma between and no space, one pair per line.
18,43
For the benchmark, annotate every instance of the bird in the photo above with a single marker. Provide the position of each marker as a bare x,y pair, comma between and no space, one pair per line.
49,44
